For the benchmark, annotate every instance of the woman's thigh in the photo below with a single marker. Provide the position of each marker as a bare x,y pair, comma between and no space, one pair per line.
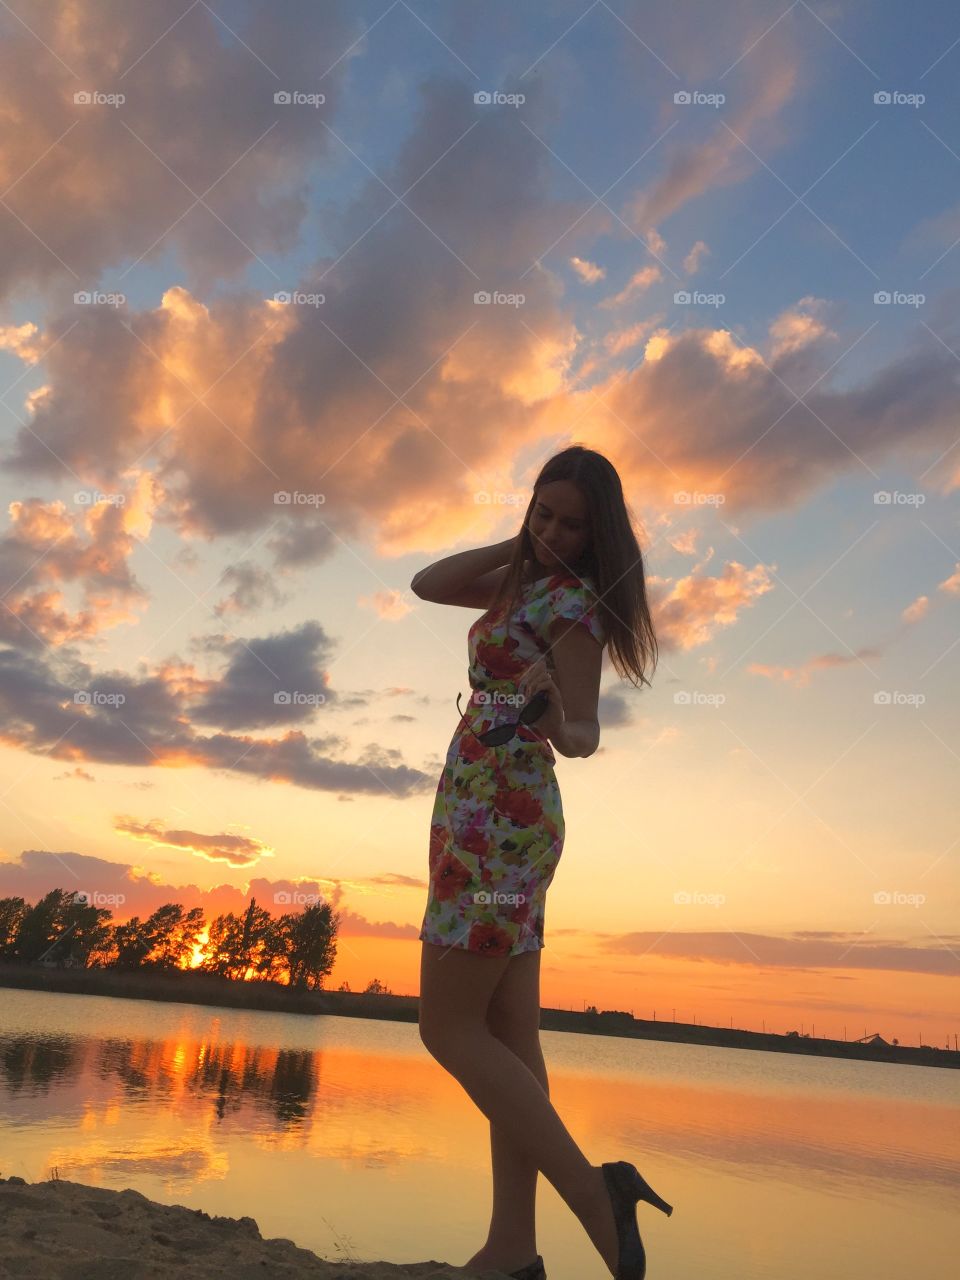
455,988
513,1014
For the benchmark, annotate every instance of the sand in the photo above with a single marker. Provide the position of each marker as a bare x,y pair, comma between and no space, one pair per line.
59,1230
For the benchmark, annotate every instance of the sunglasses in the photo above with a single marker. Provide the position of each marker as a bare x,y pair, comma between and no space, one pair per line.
502,733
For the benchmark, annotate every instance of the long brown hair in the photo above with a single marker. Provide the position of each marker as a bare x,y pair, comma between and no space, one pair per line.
612,559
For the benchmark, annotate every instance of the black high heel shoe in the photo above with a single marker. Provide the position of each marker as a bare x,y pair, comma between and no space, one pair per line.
532,1271
626,1186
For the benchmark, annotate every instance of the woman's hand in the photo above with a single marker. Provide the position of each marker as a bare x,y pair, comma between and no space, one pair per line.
534,679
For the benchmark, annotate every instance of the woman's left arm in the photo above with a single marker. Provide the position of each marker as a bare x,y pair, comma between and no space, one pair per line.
570,722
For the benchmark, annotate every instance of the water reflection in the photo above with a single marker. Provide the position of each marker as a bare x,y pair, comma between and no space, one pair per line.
306,1123
281,1082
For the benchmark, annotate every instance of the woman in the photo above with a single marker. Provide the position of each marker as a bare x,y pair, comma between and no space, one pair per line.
569,583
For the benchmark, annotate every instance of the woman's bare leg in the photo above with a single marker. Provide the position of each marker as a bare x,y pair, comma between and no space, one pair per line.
513,1016
455,991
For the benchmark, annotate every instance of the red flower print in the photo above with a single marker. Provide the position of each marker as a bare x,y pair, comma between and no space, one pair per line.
499,661
490,939
452,877
519,805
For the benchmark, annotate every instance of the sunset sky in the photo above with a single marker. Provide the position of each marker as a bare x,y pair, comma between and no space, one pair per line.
747,300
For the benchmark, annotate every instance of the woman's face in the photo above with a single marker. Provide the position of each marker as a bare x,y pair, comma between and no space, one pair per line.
558,525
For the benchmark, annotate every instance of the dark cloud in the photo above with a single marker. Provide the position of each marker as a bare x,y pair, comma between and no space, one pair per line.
793,951
144,721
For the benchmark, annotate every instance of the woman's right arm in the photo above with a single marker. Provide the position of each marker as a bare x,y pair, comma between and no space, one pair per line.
469,578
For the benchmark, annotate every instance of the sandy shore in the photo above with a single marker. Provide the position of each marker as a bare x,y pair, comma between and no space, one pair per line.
60,1230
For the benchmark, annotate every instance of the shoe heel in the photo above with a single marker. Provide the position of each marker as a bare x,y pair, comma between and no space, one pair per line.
644,1191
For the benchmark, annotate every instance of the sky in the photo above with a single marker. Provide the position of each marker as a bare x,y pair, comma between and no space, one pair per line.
298,298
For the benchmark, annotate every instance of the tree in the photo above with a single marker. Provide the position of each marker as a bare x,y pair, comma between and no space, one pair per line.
376,988
12,914
239,945
61,927
311,945
174,933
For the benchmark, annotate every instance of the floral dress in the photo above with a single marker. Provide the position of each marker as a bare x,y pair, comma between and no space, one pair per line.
497,827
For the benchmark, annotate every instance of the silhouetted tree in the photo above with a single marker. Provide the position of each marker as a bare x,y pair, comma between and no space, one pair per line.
61,926
239,944
311,945
12,914
376,988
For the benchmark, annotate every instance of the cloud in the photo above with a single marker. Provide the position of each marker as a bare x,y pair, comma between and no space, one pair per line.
237,851
639,282
847,950
588,272
801,675
689,611
387,406
916,610
798,326
268,680
691,263
145,720
705,412
254,588
721,158
49,545
388,604
90,186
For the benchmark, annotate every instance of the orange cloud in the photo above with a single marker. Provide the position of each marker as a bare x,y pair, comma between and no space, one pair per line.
801,675
692,609
237,851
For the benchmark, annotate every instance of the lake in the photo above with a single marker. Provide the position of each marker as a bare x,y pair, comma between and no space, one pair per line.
345,1136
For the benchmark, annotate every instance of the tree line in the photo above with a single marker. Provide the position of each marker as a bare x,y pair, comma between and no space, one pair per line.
298,948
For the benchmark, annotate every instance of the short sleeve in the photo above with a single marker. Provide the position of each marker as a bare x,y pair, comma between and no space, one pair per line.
578,602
